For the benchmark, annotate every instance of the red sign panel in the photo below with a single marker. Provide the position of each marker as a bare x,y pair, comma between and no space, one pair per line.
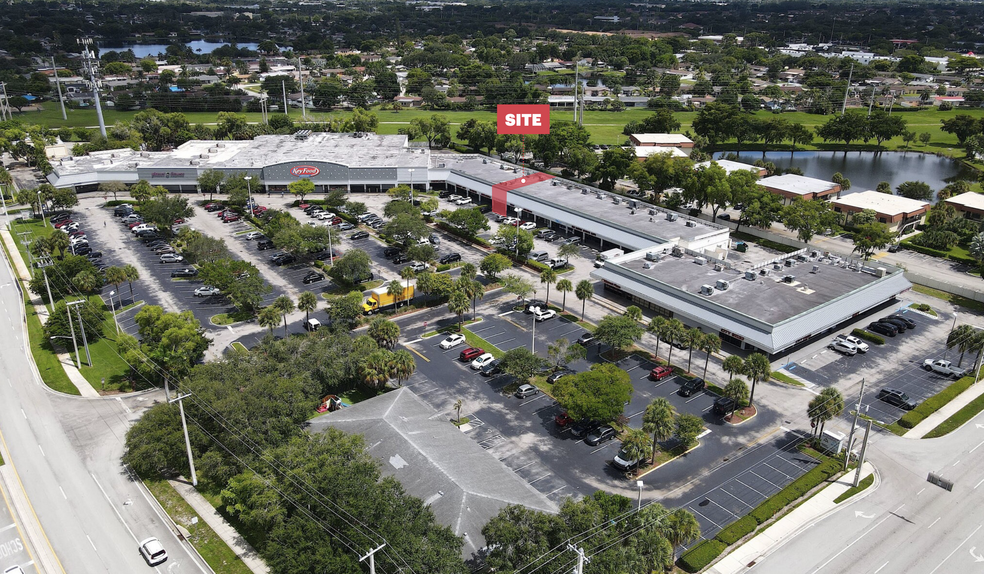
523,119
304,171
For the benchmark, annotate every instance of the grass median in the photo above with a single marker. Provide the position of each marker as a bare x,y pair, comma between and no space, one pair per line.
958,418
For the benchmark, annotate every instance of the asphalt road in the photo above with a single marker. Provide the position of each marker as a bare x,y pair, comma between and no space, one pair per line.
92,514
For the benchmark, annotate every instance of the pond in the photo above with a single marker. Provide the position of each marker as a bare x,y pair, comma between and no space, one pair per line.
199,46
866,169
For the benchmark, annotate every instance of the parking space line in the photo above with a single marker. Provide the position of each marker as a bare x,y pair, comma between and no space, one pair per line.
518,468
500,343
483,329
714,502
695,511
556,491
763,478
697,396
635,414
738,480
506,313
538,397
601,448
571,331
541,478
735,497
520,327
416,352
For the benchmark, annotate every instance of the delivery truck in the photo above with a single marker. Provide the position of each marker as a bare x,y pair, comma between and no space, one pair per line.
380,298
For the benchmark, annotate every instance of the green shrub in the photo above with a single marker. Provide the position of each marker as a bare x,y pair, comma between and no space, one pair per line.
737,530
536,265
115,202
698,557
868,336
935,402
794,490
455,231
923,249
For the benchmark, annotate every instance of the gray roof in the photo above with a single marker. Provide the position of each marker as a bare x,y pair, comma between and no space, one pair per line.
462,483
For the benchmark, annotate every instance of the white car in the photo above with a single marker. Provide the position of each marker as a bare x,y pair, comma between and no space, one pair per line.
326,215
153,551
861,345
206,291
452,341
843,347
510,221
171,258
254,235
463,201
453,197
543,315
481,361
142,227
496,240
528,226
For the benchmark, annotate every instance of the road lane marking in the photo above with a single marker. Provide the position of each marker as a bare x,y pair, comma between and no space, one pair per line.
418,353
880,568
955,549
42,451
956,463
978,484
24,414
975,448
856,540
62,490
934,523
91,543
921,491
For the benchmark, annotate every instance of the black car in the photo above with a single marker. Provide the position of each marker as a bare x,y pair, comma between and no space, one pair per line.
450,258
92,255
554,377
583,428
312,277
484,208
724,406
909,323
692,386
148,234
264,245
534,303
59,217
897,398
359,235
185,272
81,250
899,324
886,329
601,435
122,210
401,258
489,369
391,251
285,259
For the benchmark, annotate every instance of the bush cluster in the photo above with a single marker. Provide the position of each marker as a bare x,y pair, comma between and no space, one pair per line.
868,336
695,559
958,419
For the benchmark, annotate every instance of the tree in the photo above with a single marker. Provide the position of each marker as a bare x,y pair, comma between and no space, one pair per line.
307,302
285,306
301,187
847,127
633,312
472,289
733,364
681,528
87,281
548,277
687,428
618,332
385,332
521,363
395,290
568,250
351,268
131,275
637,444
871,236
402,365
561,352
708,343
406,227
597,394
583,291
884,187
833,405
470,221
658,421
59,241
209,181
63,198
493,264
757,368
672,332
915,190
565,286
269,317
736,390
164,211
518,286
345,308
614,165
807,218
976,249
458,304
691,338
93,314
714,122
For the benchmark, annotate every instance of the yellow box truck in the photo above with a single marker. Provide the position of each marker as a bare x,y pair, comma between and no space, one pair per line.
380,298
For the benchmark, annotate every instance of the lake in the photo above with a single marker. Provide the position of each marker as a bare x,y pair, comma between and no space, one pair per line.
199,46
866,169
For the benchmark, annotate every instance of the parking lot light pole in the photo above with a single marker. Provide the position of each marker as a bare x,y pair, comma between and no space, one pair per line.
952,327
411,185
41,209
249,192
850,437
640,485
113,305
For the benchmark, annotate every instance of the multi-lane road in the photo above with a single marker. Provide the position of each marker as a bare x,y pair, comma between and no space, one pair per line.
76,507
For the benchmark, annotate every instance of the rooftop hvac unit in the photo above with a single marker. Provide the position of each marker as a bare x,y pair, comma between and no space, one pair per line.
632,203
554,182
881,271
485,161
653,256
750,275
652,212
647,265
220,144
790,263
677,252
144,154
632,212
706,290
722,285
764,272
441,165
583,191
213,150
788,278
700,260
814,253
617,200
600,195
194,162
114,155
816,269
203,155
718,267
691,223
671,216
502,166
776,266
802,257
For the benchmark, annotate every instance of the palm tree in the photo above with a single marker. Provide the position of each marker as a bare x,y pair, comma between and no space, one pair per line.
567,251
458,304
87,281
959,338
307,302
407,274
633,312
691,338
457,407
637,444
658,421
376,368
402,365
656,327
385,332
833,405
131,275
269,317
976,247
757,368
565,286
737,391
284,305
469,270
733,364
549,277
673,332
583,291
682,528
709,343
815,411
395,290
59,241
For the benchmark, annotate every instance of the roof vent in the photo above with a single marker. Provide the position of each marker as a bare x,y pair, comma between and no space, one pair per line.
677,252
653,256
647,265
750,275
632,212
220,144
722,285
617,200
814,254
776,266
485,161
718,267
652,212
203,155
583,191
691,223
671,217
554,182
790,263
764,272
700,260
788,278
816,269
706,290
213,150
632,203
881,271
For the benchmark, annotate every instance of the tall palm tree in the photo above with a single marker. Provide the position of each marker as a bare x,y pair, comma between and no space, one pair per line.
131,275
457,407
691,338
757,368
658,421
637,444
59,241
307,302
407,274
656,327
469,270
395,290
565,286
959,338
385,332
733,364
709,343
87,281
682,528
458,304
633,312
402,365
284,305
376,368
583,291
549,277
672,333
833,405
269,317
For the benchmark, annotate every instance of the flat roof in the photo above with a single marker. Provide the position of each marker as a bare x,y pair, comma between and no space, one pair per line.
661,139
884,203
731,166
109,160
797,184
648,150
970,199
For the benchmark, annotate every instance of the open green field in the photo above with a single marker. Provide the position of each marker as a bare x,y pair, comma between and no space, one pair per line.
605,126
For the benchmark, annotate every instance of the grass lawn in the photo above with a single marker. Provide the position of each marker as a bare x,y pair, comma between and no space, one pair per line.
782,378
474,340
239,347
213,549
107,366
863,484
950,297
52,372
358,395
223,319
958,418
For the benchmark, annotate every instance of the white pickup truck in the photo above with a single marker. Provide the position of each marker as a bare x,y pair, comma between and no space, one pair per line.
945,368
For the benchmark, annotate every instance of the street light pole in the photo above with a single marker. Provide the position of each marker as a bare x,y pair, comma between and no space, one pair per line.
411,185
41,209
946,348
75,344
639,484
112,304
249,192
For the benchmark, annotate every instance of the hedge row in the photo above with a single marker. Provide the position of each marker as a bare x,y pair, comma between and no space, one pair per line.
935,402
796,489
868,336
737,530
695,559
958,419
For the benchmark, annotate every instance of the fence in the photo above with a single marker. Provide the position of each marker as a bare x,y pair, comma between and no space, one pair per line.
920,279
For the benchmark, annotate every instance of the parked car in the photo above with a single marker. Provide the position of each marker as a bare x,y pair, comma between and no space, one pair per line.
482,360
452,341
531,303
206,291
120,210
418,266
164,249
945,368
843,347
861,346
490,368
285,259
359,235
539,256
563,419
400,258
886,329
896,398
557,263
171,258
471,353
581,429
572,241
556,375
543,315
62,223
450,258
600,435
312,324
264,245
92,255
544,233
909,323
230,218
724,406
692,386
213,207
623,462
82,249
526,390
661,372
527,225
899,323
463,201
345,226
585,339
153,551
391,251
185,272
254,235
312,277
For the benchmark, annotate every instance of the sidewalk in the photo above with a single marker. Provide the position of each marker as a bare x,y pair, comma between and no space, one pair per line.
934,420
804,516
223,529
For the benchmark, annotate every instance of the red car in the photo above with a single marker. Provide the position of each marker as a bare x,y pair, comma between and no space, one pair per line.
660,373
230,218
179,221
336,221
213,207
304,205
470,353
563,419
134,224
61,224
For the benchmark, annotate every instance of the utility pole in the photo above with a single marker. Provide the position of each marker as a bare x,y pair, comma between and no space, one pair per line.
61,100
848,89
5,112
44,270
581,558
75,344
864,448
87,56
850,437
372,559
85,341
184,425
300,80
283,88
577,71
